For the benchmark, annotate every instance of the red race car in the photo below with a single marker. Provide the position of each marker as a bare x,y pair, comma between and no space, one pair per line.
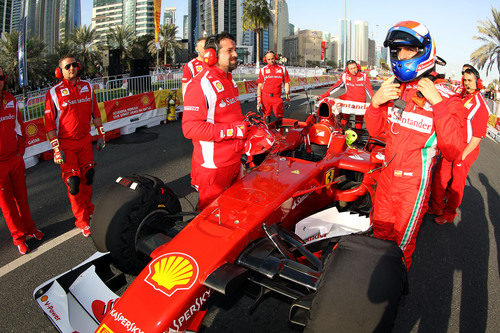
296,224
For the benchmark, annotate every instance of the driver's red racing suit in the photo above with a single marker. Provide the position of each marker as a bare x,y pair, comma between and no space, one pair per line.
13,193
68,110
273,78
403,187
211,110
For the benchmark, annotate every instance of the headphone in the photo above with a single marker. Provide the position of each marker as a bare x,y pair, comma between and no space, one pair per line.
59,74
352,62
211,51
276,56
479,82
5,78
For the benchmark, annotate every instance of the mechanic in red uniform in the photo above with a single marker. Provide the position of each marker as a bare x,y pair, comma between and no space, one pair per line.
213,120
270,83
70,105
356,85
13,193
196,65
414,127
450,176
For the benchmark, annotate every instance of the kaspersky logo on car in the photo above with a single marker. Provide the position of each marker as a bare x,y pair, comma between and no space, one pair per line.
171,272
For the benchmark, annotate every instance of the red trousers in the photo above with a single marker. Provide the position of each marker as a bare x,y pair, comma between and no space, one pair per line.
212,182
448,184
14,199
79,159
274,104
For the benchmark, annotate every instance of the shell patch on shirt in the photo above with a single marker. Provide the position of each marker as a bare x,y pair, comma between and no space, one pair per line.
218,86
10,104
84,89
65,91
198,68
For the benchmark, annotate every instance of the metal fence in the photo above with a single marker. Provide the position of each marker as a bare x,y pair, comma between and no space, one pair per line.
109,88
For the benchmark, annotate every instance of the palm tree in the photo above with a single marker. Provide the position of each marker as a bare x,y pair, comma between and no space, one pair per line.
490,51
167,40
35,49
83,39
256,17
121,38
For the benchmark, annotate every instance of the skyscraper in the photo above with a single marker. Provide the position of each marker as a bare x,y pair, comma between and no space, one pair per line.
69,18
5,15
185,27
137,14
345,40
283,25
170,16
361,42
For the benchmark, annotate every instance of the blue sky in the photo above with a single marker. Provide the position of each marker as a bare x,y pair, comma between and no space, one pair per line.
452,23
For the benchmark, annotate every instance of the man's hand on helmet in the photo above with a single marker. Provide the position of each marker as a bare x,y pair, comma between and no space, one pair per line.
254,118
388,91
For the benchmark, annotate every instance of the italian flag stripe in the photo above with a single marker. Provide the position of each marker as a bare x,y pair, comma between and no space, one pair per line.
428,153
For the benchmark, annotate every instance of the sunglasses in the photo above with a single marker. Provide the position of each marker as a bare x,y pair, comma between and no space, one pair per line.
73,64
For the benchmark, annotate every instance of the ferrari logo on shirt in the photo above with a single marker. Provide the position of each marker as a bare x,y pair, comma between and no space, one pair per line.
65,92
218,86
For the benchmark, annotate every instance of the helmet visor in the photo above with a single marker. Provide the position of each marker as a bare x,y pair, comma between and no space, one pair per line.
402,36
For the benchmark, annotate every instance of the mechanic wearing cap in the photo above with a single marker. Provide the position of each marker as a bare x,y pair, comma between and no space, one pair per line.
13,193
415,126
270,83
70,105
213,120
196,65
450,176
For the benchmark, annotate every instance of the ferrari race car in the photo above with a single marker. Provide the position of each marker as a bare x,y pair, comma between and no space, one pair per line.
295,224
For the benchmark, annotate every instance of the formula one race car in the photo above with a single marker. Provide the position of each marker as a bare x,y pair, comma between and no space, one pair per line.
296,224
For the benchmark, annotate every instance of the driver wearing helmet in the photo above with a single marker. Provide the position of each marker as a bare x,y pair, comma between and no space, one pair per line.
418,117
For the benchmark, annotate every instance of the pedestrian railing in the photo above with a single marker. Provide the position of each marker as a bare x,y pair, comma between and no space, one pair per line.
109,88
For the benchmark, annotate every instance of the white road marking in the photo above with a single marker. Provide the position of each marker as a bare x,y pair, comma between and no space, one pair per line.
38,251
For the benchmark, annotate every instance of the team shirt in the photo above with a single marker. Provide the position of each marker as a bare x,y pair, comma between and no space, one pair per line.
70,108
211,104
477,115
357,87
191,69
273,78
11,126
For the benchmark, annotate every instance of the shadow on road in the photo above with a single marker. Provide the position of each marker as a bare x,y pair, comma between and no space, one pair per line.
493,211
448,257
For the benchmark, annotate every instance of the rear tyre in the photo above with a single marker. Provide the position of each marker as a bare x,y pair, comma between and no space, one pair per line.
361,286
118,216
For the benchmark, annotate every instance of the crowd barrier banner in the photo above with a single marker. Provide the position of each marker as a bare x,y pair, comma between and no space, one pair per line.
145,109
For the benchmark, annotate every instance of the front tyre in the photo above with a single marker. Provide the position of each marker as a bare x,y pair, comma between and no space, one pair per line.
360,289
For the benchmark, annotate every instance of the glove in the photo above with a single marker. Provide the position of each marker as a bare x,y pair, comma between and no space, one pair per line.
21,146
259,107
58,153
236,130
286,103
101,141
254,118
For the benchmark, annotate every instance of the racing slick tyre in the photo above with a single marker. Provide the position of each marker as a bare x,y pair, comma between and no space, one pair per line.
361,285
118,216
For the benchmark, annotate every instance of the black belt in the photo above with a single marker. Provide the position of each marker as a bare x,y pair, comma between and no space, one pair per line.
270,95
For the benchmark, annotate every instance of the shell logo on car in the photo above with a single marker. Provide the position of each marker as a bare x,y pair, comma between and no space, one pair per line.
145,100
31,129
171,272
104,329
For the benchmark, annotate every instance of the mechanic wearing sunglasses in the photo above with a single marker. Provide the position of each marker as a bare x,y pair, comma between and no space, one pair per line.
13,194
70,105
